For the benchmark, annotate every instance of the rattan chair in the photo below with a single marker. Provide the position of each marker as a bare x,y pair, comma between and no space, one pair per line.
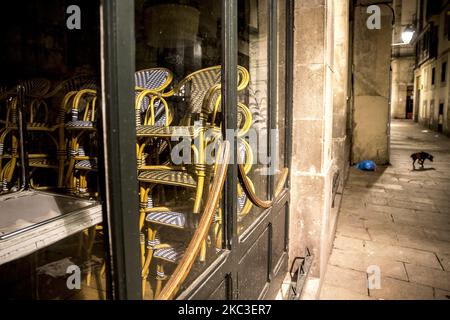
187,254
151,107
45,107
34,91
82,134
202,92
59,97
68,91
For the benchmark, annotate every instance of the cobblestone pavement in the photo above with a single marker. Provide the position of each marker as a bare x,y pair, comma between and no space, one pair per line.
399,220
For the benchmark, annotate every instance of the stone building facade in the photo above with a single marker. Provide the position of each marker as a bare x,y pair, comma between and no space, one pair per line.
432,88
321,116
403,61
341,115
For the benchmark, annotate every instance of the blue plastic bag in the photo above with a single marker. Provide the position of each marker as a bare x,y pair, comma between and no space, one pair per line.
366,165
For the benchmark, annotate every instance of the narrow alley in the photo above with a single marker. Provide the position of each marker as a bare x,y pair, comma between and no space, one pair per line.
398,220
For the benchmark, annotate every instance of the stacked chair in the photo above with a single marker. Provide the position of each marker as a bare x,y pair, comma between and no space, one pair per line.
34,91
80,113
173,236
45,109
194,247
62,96
179,217
200,95
50,123
83,146
47,116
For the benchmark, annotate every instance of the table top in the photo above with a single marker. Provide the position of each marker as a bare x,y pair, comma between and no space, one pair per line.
31,220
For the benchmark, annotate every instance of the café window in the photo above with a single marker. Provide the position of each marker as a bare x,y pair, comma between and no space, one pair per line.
49,148
253,54
181,113
178,93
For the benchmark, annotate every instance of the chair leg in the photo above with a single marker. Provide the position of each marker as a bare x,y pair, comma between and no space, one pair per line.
75,187
199,193
144,194
142,239
203,252
4,175
61,152
217,233
83,184
160,278
103,269
218,230
70,169
151,234
143,204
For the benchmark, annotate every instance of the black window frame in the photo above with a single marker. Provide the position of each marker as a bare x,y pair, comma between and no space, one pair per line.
433,76
444,72
120,178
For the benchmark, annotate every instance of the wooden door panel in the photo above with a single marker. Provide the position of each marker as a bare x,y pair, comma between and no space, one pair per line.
279,236
254,269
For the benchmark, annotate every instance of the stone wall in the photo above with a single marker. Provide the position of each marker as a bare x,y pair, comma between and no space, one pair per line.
431,105
320,118
341,104
402,78
371,59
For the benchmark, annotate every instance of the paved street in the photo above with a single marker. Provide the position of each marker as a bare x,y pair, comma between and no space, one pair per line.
399,220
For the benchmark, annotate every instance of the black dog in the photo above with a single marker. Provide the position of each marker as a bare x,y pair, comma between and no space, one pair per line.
421,157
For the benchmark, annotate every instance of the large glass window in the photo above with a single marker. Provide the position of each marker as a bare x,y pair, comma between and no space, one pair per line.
178,116
51,236
253,39
281,84
53,241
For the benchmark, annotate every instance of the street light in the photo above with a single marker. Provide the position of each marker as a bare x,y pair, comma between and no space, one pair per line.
408,34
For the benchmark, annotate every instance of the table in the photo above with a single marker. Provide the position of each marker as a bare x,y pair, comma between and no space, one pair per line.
32,220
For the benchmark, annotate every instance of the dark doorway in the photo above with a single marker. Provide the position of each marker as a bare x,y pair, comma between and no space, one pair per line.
410,102
441,118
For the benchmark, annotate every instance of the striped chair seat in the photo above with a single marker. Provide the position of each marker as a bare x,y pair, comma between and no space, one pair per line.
36,87
167,177
164,132
87,165
171,255
43,163
171,219
154,79
40,127
80,125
